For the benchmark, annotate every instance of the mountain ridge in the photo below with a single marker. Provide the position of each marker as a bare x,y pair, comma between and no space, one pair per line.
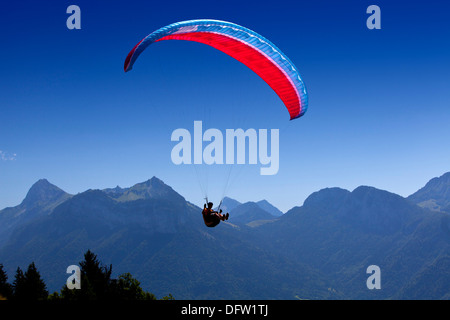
42,191
39,201
435,195
316,251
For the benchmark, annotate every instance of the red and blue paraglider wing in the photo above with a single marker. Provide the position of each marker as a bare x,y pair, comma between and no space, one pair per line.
244,45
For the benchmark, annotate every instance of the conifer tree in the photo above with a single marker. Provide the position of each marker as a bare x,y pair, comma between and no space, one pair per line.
19,285
35,288
5,287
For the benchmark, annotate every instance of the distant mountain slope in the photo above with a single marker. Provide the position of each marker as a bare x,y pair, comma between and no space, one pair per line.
341,233
40,200
115,192
436,273
268,207
152,232
43,193
228,204
317,251
153,188
435,195
248,212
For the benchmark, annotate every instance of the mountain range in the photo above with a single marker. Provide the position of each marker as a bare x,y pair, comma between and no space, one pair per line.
319,250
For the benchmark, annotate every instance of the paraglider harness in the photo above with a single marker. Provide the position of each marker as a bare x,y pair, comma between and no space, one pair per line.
210,222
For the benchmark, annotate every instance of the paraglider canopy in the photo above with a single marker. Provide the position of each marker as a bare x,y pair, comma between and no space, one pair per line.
244,45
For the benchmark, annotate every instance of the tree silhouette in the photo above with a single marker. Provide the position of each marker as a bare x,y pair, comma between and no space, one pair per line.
95,280
5,287
129,288
29,286
19,285
95,277
35,286
97,284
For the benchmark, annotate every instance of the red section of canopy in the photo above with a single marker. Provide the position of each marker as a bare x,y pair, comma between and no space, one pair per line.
256,60
130,54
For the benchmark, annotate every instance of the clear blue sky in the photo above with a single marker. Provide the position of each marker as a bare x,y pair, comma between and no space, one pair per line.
379,110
